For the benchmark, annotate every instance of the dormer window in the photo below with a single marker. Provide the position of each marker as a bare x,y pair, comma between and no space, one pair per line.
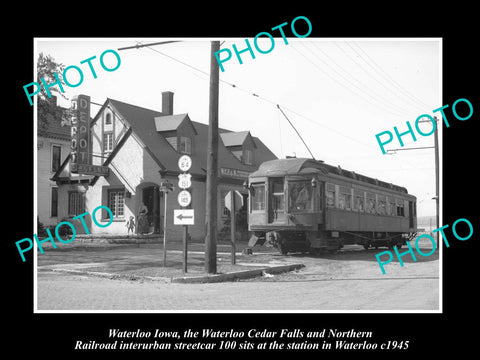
240,144
247,157
185,145
178,130
108,119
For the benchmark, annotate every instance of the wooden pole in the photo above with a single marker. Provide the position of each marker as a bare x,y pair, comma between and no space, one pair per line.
437,179
185,238
165,230
232,224
212,163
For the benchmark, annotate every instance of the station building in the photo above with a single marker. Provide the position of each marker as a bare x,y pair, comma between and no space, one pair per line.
141,148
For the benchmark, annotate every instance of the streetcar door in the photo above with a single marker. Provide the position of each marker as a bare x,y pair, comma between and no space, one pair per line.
276,209
411,214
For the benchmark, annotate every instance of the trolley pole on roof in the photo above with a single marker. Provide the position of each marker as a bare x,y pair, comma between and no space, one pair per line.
212,163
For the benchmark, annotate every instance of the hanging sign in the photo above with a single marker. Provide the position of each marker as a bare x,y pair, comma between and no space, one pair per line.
80,132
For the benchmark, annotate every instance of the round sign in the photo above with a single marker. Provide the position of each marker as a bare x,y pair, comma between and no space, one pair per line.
184,198
184,163
184,181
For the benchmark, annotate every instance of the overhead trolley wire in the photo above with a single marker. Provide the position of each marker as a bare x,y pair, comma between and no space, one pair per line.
275,103
364,87
360,92
386,76
370,76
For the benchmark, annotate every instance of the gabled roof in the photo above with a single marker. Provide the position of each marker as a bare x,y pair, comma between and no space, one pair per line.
144,125
147,126
235,138
171,122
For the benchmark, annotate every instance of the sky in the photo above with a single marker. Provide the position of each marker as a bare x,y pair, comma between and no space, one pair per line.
337,92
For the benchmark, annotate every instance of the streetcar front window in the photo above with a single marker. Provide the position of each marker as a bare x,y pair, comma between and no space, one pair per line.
300,194
257,196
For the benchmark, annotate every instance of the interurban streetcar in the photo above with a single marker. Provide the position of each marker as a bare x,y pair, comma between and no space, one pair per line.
300,204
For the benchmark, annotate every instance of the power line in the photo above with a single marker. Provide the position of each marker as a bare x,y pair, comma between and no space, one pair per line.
380,104
286,108
370,75
363,87
386,76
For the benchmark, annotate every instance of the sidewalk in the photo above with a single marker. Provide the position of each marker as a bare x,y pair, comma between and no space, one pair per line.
144,261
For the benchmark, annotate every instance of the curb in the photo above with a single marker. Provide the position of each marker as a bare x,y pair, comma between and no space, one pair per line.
215,278
237,275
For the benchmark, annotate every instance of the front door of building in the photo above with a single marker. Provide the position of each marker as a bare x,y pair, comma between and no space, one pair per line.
151,199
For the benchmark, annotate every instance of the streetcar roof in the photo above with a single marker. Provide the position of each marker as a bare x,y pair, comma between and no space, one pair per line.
295,166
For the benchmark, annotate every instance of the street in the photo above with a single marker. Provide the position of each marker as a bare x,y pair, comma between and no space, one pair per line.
348,280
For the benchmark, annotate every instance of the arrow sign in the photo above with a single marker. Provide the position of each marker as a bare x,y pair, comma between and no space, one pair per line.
183,217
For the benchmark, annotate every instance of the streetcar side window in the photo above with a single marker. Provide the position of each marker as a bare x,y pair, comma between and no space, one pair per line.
381,204
330,195
400,208
257,196
392,208
359,203
371,206
345,198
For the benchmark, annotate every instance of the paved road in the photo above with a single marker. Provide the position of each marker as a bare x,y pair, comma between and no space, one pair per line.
349,280
72,292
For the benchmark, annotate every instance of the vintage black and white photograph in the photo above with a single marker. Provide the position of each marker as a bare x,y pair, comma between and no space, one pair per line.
263,174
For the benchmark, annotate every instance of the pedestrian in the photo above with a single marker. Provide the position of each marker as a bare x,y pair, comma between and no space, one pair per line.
131,225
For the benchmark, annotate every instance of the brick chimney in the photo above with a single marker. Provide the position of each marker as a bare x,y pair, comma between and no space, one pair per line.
167,103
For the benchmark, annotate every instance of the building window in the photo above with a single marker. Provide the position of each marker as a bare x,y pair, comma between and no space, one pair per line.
330,195
116,202
108,119
76,203
54,202
257,195
107,142
172,140
56,157
247,157
185,145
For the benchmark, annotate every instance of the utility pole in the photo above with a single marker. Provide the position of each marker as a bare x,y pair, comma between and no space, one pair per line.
437,179
437,171
212,164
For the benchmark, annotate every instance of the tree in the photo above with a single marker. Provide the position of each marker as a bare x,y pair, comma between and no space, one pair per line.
47,109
